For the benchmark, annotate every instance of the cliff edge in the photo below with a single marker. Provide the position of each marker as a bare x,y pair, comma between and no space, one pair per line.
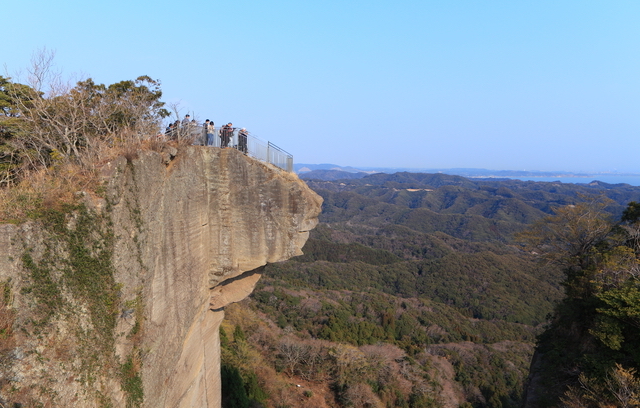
135,281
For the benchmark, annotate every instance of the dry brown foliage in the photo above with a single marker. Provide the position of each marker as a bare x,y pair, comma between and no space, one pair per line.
620,390
50,188
58,126
361,396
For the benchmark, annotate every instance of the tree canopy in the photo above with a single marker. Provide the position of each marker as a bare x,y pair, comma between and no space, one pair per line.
73,123
594,335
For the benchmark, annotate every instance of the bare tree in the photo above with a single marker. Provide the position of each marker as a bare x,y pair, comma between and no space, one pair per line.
568,237
41,72
624,386
361,396
621,389
292,352
58,123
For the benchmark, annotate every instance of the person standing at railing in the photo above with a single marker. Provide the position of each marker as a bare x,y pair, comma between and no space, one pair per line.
225,134
242,140
168,132
176,132
211,131
195,135
204,132
231,132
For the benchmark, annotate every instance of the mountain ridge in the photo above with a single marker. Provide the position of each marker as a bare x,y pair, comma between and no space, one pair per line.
333,172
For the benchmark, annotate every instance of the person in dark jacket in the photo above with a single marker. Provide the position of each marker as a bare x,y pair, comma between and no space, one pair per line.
226,134
170,132
242,140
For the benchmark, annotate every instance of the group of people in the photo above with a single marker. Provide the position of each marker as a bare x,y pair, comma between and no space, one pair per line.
180,128
226,135
187,127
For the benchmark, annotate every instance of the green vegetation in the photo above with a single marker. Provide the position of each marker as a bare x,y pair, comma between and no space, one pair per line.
240,387
72,279
7,340
234,394
77,258
413,325
377,375
44,288
131,382
482,285
425,268
592,345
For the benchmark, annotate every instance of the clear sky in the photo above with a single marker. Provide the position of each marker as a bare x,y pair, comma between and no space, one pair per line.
501,84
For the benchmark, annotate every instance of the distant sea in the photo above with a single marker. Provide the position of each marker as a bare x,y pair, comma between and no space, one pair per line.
633,180
478,174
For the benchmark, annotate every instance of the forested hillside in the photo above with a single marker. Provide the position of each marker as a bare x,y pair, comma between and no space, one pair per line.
412,292
589,354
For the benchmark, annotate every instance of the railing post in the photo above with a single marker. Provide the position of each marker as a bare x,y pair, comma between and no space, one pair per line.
268,152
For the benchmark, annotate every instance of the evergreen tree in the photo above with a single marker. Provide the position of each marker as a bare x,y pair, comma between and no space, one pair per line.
234,394
595,331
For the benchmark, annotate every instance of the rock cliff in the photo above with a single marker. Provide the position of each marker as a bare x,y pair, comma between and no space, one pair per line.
173,239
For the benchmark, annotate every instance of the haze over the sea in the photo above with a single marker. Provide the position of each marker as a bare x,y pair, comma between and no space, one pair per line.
564,177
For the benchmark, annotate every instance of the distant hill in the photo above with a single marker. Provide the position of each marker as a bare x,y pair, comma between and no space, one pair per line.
331,175
303,168
568,177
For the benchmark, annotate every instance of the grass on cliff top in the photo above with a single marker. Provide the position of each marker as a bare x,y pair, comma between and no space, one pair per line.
50,189
58,185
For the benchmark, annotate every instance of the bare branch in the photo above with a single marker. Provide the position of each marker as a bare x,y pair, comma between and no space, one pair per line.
41,73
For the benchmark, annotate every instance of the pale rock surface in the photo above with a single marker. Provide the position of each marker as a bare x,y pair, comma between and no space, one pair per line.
191,236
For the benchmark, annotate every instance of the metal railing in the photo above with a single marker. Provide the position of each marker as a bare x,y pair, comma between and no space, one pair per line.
279,157
235,138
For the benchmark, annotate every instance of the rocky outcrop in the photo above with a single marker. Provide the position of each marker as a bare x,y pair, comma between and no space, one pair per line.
190,234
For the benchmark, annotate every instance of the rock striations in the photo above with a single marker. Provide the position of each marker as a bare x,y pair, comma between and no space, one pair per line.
187,234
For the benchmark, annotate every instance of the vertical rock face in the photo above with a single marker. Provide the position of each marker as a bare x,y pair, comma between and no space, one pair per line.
190,236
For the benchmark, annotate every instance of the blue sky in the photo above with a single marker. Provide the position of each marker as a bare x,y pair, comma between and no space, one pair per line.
535,85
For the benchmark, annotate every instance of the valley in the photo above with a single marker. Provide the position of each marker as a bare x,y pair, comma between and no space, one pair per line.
426,265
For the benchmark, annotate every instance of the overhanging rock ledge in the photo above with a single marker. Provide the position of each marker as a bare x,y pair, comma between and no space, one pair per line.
191,235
